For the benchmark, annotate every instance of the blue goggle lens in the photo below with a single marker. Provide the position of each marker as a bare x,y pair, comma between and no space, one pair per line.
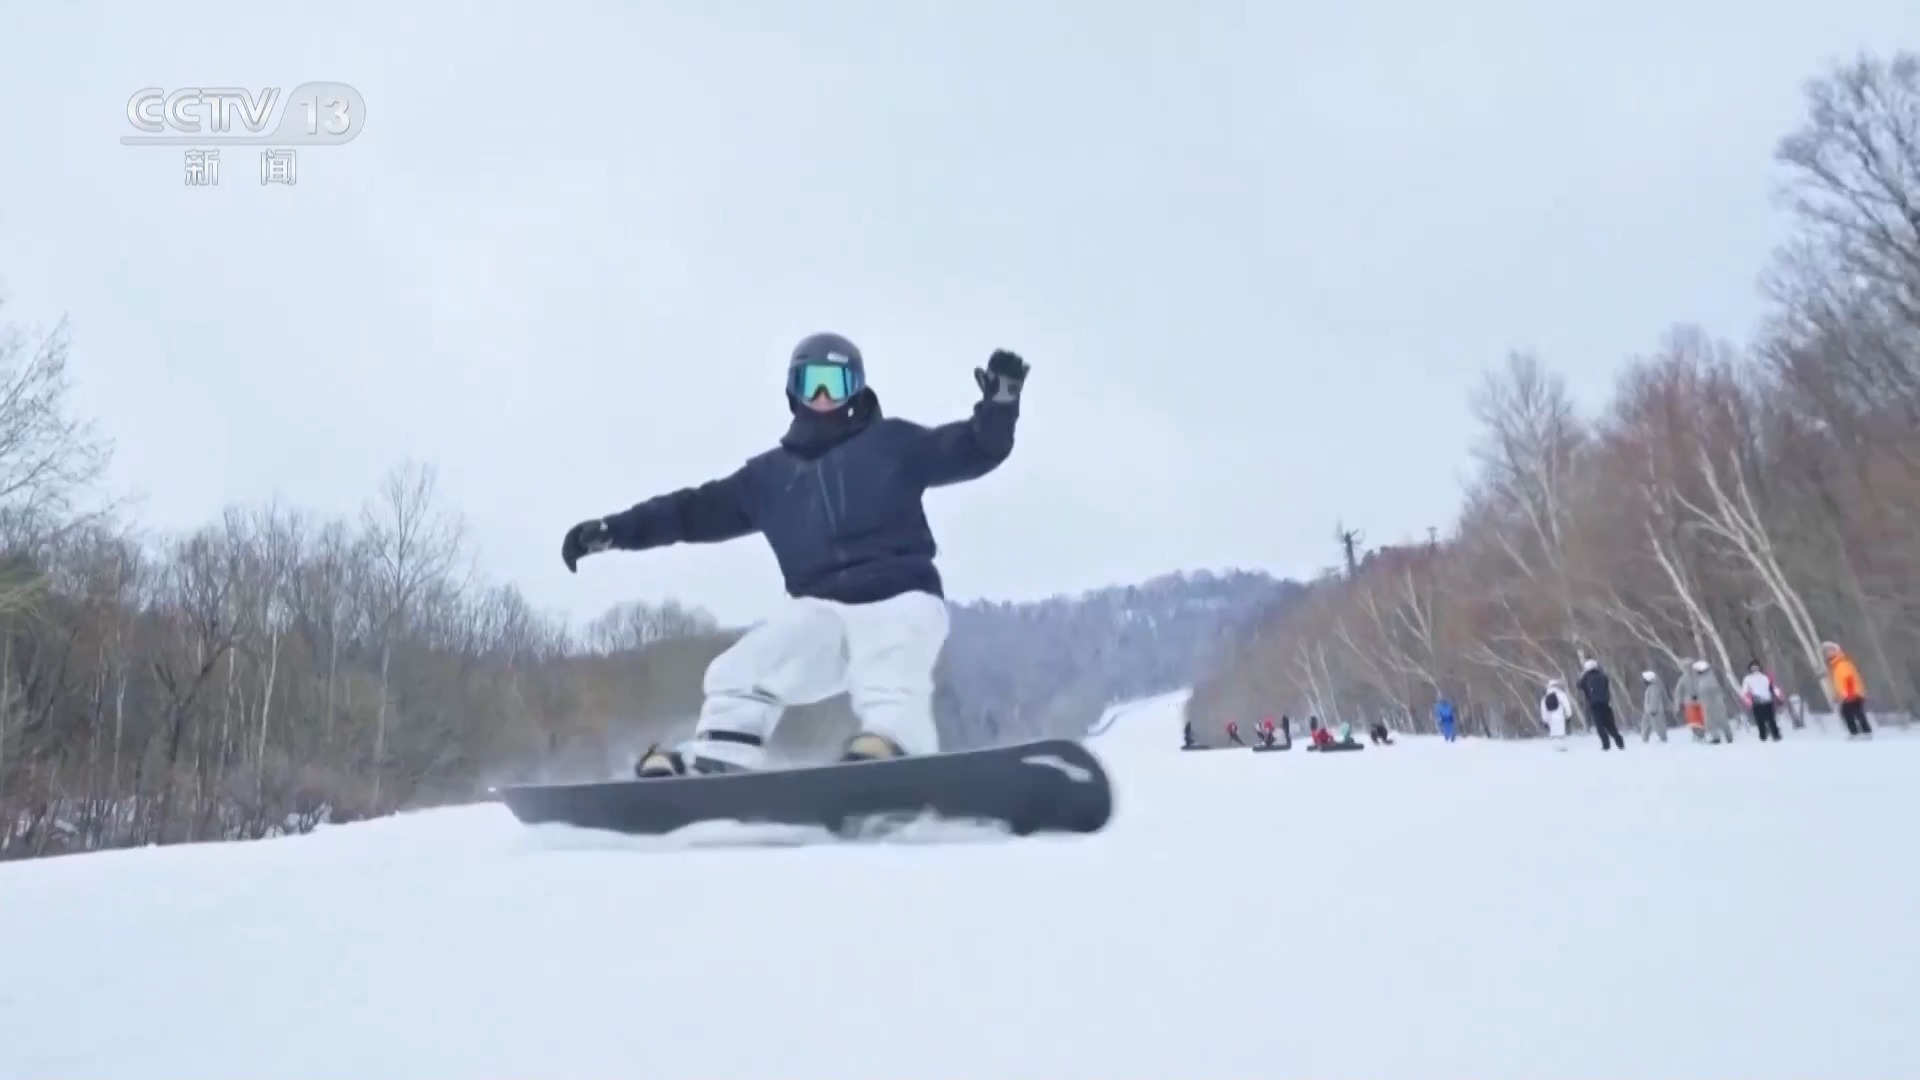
808,380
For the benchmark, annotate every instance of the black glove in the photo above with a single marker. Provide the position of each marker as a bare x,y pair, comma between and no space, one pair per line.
584,539
1000,380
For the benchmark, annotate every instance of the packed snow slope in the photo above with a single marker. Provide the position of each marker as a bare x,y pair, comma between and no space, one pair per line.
1423,910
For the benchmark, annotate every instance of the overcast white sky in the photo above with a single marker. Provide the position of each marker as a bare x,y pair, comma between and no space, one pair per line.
1256,252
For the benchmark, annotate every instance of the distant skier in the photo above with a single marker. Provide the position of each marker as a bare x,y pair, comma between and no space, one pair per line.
1554,709
1848,688
1704,703
839,501
1268,734
1443,715
1598,690
1654,710
1319,736
1763,701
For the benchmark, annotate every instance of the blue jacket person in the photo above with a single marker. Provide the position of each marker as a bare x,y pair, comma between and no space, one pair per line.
839,501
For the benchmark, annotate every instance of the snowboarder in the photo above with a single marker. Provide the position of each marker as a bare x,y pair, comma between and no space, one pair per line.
1598,690
1654,710
1704,704
1849,689
1763,701
1380,734
1317,735
1443,715
1267,733
1554,709
1233,733
839,501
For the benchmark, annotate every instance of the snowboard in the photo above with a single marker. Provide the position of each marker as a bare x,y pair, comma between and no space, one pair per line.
1049,785
1265,748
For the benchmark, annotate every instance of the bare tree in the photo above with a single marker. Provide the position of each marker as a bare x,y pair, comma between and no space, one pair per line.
1854,178
415,545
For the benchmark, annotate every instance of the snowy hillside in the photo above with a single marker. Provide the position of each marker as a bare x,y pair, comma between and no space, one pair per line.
1421,910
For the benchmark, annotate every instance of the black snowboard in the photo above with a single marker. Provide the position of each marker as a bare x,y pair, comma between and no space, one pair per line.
1052,785
1268,748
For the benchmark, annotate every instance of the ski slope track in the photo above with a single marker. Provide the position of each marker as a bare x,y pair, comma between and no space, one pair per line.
1424,910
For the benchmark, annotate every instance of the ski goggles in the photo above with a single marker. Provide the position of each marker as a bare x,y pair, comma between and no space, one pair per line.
806,381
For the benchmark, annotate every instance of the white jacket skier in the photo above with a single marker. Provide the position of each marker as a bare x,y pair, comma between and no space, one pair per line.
1758,688
1555,709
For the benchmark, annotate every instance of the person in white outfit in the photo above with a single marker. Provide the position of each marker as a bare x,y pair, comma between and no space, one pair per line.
1655,712
1763,701
1555,709
839,501
1699,697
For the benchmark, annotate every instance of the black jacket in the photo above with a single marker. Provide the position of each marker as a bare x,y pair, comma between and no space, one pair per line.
1595,687
838,500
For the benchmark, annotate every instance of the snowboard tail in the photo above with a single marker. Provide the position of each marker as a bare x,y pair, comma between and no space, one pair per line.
1050,785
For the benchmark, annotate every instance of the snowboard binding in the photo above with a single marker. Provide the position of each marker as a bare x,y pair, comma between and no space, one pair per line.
659,762
868,746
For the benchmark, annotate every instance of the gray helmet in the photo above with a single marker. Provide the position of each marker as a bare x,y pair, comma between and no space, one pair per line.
825,362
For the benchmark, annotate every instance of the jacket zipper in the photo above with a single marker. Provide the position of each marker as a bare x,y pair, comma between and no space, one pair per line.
826,503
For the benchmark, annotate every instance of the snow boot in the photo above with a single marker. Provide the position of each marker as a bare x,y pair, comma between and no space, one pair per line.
868,746
708,753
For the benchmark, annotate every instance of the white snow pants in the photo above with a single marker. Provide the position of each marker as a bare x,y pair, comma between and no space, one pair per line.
881,654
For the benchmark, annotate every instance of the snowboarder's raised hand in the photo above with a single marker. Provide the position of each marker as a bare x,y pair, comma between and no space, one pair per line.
1000,380
584,539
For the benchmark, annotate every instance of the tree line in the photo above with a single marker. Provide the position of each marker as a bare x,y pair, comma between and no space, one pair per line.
1729,503
260,674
